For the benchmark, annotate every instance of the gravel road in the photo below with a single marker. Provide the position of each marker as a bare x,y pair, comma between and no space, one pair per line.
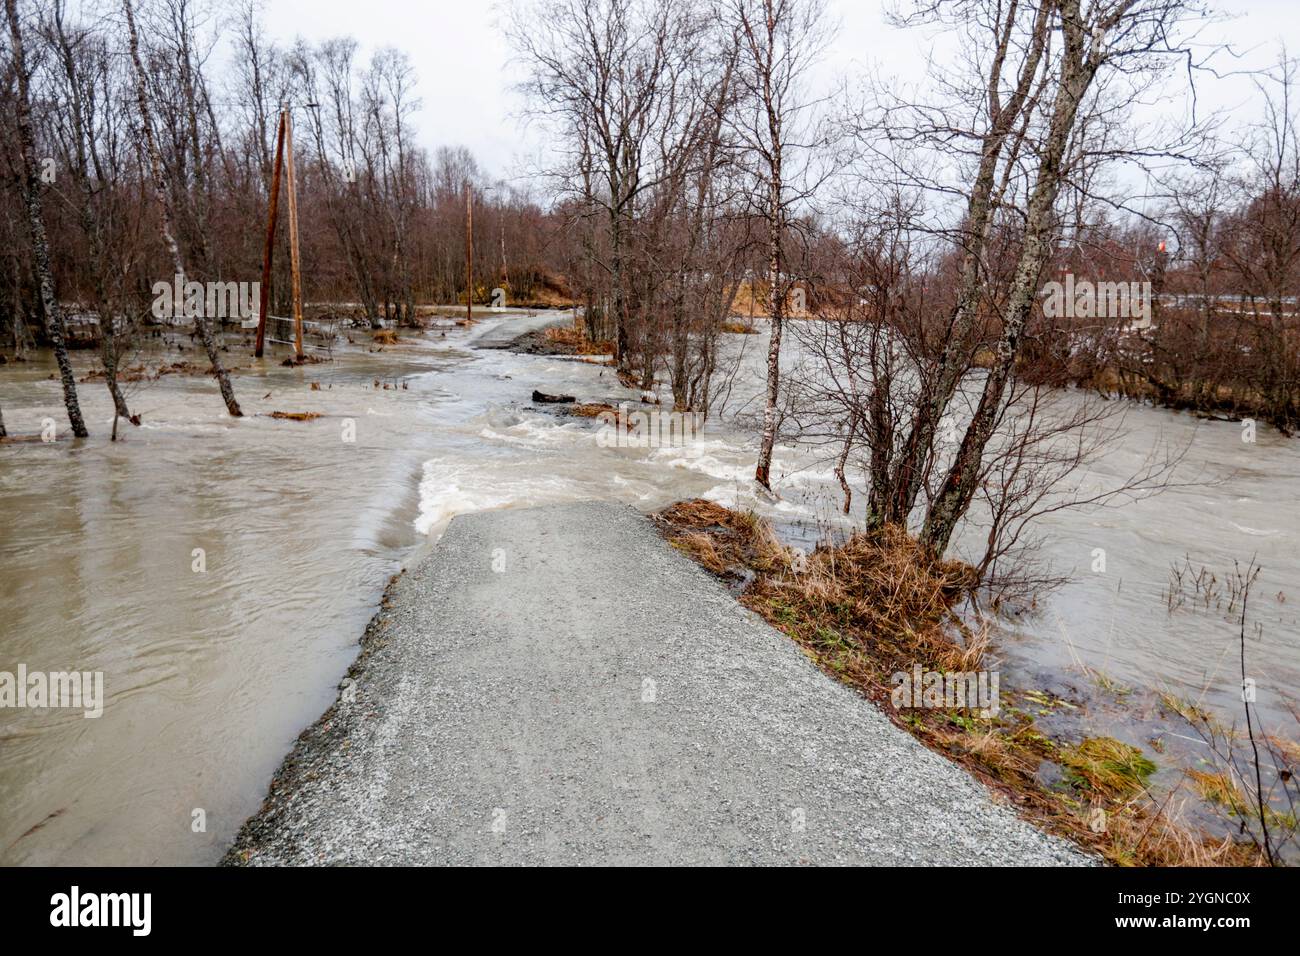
502,335
557,685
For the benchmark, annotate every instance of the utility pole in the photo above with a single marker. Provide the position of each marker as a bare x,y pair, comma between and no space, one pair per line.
294,267
264,299
469,252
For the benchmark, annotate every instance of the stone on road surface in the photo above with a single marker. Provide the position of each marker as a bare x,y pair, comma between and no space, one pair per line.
558,685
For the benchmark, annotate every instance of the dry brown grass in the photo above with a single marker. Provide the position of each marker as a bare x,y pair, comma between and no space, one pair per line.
591,409
873,606
575,337
721,539
296,416
887,595
704,550
699,513
750,302
1136,836
997,751
385,337
1217,788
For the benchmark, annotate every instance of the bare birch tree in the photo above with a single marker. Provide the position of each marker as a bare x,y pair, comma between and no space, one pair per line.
54,324
1017,129
778,40
148,146
1122,36
1017,36
87,150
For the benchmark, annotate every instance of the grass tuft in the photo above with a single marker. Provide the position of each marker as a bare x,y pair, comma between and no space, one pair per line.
1108,767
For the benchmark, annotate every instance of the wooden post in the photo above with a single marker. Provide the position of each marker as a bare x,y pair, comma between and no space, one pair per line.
469,253
264,299
294,268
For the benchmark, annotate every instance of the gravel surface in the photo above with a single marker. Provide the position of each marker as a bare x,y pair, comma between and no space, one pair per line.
519,329
557,685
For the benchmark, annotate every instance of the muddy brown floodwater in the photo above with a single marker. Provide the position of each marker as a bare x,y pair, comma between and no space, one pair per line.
210,666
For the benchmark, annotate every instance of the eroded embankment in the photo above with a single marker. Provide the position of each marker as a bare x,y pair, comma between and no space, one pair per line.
877,613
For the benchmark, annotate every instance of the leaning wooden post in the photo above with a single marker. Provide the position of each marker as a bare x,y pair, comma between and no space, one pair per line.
294,268
469,253
265,292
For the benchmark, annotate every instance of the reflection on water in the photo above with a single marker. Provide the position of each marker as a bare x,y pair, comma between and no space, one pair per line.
211,673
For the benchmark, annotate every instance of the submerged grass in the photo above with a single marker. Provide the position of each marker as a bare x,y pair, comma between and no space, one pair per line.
146,373
296,416
1108,767
875,606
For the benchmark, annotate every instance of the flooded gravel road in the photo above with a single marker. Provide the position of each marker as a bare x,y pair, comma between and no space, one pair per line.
219,572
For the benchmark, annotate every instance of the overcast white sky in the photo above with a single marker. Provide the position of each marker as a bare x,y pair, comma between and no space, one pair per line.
465,77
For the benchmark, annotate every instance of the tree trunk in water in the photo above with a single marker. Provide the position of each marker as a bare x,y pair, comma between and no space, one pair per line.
160,192
763,473
40,244
108,347
775,304
962,478
109,356
842,463
910,468
622,351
